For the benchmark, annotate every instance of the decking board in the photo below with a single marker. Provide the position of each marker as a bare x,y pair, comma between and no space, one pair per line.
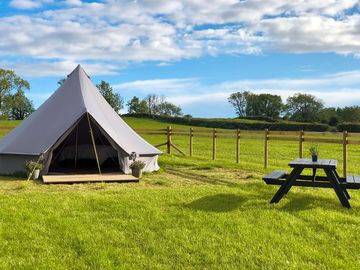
85,178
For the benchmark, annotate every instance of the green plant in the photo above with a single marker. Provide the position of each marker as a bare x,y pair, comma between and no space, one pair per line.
314,150
138,164
33,165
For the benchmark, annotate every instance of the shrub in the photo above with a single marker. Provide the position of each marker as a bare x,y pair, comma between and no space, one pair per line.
138,164
32,165
351,127
235,123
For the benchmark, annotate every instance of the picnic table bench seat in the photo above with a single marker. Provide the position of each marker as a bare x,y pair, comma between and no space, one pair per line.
274,178
353,181
278,177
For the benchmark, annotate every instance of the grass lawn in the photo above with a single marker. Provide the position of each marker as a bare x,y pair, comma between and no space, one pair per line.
193,213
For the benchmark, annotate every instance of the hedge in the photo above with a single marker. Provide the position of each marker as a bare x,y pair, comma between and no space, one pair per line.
234,123
350,127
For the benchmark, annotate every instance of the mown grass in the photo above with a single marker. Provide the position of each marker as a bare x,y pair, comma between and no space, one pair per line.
193,213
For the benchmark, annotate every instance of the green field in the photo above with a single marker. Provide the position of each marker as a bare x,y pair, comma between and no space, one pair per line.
193,213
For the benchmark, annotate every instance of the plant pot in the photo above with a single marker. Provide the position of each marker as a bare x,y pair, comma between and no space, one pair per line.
314,158
136,173
36,174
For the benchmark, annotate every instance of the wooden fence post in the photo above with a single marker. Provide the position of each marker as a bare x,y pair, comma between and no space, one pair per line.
301,141
168,133
238,146
191,135
266,150
345,142
214,144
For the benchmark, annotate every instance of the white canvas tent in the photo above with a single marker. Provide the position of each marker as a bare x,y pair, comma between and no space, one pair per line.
59,130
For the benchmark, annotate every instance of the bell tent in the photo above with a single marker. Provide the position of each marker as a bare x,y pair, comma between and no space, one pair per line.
75,130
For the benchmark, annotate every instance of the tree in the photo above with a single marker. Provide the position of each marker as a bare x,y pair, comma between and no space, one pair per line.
169,109
304,107
264,105
114,99
18,106
249,104
349,114
10,82
239,101
328,116
158,105
135,105
153,102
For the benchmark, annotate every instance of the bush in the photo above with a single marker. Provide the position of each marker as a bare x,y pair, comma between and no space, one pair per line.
32,165
137,165
235,123
351,127
260,118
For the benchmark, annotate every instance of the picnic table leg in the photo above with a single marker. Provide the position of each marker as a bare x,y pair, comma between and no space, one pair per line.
286,186
314,174
345,190
337,187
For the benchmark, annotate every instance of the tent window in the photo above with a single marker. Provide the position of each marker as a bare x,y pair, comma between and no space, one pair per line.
76,153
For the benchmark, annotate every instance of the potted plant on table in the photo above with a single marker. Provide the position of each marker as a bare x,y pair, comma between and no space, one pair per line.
314,153
136,168
34,168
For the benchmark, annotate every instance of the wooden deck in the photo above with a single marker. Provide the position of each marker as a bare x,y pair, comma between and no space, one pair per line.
86,178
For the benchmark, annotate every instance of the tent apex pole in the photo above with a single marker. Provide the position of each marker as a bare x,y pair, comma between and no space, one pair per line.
93,142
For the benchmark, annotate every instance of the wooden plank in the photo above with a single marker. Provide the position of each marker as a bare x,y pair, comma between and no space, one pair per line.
202,136
275,174
266,148
238,146
288,139
322,134
295,133
321,140
321,163
84,178
345,142
356,179
350,178
214,144
191,135
226,136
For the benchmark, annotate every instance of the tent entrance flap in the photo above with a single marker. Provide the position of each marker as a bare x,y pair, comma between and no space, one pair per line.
75,154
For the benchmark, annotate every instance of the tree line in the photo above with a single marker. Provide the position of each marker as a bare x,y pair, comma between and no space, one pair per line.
299,107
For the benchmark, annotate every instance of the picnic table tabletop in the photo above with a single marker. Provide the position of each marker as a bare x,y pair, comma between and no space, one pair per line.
308,163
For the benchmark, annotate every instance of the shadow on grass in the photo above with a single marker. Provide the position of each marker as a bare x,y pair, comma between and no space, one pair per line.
217,203
306,202
201,178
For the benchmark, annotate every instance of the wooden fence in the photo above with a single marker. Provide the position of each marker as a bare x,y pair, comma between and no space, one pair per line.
343,138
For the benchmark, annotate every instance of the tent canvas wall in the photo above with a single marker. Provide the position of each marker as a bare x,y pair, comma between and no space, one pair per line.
50,131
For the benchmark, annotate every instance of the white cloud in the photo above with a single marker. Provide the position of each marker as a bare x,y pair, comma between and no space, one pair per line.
167,31
60,69
159,86
28,4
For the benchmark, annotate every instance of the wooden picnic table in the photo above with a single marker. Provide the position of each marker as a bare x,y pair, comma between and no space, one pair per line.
295,178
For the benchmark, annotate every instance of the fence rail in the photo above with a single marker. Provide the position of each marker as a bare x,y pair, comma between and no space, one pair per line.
265,136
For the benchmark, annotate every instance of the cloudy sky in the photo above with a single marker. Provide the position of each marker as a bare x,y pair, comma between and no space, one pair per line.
194,52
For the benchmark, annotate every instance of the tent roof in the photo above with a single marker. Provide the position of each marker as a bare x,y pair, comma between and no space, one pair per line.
48,123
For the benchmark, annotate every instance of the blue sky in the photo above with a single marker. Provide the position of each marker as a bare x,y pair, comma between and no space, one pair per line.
194,53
